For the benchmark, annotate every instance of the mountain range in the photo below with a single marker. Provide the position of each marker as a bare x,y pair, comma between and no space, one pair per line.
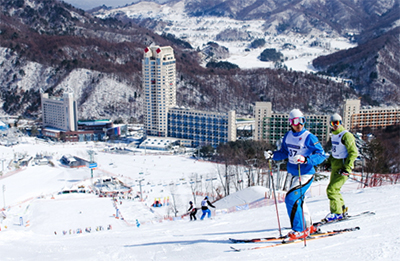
47,45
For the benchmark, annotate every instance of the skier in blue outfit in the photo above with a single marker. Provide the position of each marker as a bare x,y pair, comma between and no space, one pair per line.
304,151
204,207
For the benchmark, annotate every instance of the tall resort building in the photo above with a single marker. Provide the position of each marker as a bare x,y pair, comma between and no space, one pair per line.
162,116
159,86
59,114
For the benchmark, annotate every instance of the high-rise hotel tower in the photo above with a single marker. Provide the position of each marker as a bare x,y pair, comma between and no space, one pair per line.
159,86
60,113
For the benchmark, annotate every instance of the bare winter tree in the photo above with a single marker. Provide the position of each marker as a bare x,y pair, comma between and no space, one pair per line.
221,170
227,157
194,186
173,206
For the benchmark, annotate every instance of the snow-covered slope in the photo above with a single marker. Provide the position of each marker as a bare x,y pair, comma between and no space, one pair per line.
31,193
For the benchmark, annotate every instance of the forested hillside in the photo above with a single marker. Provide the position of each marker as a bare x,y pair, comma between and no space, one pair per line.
50,45
373,66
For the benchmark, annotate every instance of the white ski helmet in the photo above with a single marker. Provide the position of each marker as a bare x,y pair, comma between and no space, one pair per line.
295,113
336,117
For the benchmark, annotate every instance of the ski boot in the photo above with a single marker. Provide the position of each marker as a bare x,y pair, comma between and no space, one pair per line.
332,217
345,211
294,235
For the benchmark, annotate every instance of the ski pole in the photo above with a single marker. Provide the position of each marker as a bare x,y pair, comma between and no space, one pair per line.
365,184
276,204
302,209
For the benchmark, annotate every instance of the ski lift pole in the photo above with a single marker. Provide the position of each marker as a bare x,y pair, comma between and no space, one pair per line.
302,209
276,203
4,197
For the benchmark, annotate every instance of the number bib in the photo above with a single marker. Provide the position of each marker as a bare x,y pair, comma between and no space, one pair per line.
295,145
339,151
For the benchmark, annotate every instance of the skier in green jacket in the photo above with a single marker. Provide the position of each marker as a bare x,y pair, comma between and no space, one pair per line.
344,153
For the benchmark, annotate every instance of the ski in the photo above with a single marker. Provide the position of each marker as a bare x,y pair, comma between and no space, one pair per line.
309,238
349,217
255,240
317,224
271,239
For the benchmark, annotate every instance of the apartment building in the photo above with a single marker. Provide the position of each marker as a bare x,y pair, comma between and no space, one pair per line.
202,127
350,108
159,86
357,118
271,127
262,115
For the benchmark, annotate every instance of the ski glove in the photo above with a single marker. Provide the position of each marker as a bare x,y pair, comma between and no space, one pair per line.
268,154
299,159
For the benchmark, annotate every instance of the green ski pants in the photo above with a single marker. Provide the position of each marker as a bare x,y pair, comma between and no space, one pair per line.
336,201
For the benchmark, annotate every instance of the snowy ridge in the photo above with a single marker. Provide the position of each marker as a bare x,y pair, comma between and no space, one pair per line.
198,31
154,10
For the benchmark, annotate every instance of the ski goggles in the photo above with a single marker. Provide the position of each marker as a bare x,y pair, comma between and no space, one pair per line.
296,121
336,123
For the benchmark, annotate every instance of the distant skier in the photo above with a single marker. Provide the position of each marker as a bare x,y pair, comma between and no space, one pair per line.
344,153
3,215
192,211
204,207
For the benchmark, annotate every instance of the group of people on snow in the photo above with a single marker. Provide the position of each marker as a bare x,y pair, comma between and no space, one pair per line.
205,203
304,151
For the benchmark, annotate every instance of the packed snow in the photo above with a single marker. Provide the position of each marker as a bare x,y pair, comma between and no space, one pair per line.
43,222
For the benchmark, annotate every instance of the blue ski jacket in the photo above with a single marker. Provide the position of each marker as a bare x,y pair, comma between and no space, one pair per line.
316,155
